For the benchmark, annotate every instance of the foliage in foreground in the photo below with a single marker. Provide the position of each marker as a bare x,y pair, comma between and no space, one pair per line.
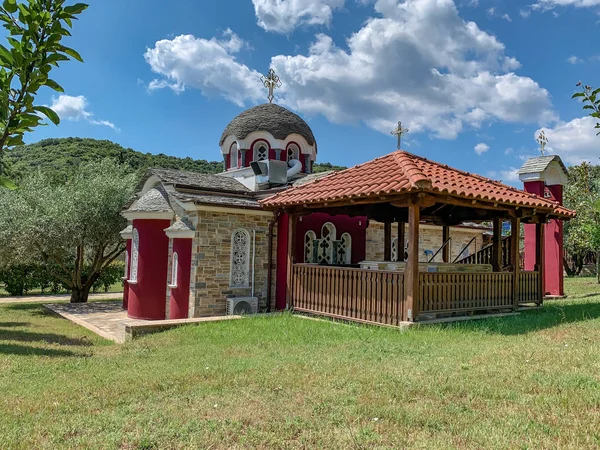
72,226
35,31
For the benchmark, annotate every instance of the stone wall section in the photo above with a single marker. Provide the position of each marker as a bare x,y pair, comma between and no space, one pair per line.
430,238
211,261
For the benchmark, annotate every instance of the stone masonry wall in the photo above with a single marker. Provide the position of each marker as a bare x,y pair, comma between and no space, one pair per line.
211,261
430,238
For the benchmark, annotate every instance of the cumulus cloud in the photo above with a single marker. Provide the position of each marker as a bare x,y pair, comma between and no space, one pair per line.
76,108
209,65
283,16
574,59
481,148
420,62
574,141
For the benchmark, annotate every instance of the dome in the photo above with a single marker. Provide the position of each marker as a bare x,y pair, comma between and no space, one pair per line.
275,119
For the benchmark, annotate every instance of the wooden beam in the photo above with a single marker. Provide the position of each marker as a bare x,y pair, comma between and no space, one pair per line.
497,246
411,273
291,259
401,239
540,259
387,241
447,247
515,228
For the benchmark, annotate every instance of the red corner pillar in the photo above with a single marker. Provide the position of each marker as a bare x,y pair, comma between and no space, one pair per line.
148,269
181,267
127,235
282,261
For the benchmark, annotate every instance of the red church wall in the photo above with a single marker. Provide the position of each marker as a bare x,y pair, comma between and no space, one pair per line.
127,269
354,226
281,273
180,295
147,296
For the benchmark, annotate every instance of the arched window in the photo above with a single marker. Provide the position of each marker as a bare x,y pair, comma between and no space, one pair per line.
395,249
309,247
126,274
233,156
135,254
240,259
174,269
325,252
345,252
261,151
293,152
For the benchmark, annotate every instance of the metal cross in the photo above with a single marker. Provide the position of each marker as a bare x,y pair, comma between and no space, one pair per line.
543,141
271,82
399,131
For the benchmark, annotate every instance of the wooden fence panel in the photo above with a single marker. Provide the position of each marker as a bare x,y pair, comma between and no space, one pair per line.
529,287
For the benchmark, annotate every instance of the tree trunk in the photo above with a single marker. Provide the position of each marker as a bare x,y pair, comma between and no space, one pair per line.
80,295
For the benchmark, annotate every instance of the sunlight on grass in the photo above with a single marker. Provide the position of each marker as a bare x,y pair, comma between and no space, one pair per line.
529,381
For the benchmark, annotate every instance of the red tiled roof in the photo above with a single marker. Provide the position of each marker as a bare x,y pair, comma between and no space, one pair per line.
401,172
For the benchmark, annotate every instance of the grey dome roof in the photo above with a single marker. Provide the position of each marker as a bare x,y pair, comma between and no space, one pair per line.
275,119
155,200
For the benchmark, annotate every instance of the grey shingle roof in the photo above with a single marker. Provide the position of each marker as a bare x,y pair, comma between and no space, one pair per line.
539,164
127,230
217,200
155,200
275,119
199,180
182,224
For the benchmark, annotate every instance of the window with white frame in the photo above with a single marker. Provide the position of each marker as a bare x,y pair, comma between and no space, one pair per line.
325,251
135,254
126,274
233,156
345,253
309,247
261,151
240,259
174,269
292,152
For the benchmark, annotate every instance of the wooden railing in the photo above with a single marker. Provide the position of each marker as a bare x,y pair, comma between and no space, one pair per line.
484,256
529,287
450,292
353,294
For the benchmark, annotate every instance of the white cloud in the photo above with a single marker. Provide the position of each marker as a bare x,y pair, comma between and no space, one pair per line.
419,62
549,4
283,16
574,141
506,17
507,176
524,13
76,108
481,148
206,64
574,59
508,151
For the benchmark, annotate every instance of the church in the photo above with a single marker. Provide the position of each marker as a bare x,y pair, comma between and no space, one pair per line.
396,239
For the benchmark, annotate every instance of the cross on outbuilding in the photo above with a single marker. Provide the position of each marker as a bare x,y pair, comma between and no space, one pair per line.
271,81
543,141
399,131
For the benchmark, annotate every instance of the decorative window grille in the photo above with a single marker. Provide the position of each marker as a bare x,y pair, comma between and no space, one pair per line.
309,247
292,152
135,254
234,156
261,152
395,249
345,249
174,269
325,251
240,259
126,274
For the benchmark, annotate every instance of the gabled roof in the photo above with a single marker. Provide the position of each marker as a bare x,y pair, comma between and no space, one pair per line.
540,163
182,224
401,172
196,180
155,200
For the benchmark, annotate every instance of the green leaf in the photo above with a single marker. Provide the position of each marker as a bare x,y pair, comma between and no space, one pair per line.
54,85
6,183
578,94
49,113
72,53
10,6
5,55
588,107
76,8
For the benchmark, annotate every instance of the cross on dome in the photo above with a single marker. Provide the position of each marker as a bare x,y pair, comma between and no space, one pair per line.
399,131
543,141
271,81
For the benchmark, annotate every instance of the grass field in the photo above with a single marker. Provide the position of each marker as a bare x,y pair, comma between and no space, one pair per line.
527,381
117,287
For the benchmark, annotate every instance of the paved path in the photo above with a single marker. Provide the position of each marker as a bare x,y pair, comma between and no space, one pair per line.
58,297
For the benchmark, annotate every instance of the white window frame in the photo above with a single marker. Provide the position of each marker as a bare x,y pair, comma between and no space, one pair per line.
234,156
174,269
240,260
328,256
309,247
135,255
126,274
347,240
257,147
295,152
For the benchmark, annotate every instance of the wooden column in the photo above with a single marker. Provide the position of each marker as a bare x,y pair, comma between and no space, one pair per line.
447,248
497,246
291,259
401,239
387,241
540,245
411,274
515,229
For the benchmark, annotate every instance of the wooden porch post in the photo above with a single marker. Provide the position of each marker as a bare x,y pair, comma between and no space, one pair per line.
400,252
497,246
387,241
515,229
411,274
446,249
291,258
540,245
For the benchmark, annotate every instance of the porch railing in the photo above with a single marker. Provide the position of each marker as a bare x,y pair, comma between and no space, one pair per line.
454,292
354,294
529,287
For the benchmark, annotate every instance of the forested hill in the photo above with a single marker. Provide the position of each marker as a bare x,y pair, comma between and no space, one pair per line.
62,156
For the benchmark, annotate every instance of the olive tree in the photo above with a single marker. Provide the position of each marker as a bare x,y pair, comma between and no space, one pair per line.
33,47
72,226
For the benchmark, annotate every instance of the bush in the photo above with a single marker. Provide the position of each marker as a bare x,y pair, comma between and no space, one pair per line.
111,275
19,279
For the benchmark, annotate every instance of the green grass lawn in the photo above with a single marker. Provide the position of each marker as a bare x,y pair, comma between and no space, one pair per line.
527,381
117,287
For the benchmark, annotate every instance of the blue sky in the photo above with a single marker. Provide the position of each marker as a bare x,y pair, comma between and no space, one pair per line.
473,80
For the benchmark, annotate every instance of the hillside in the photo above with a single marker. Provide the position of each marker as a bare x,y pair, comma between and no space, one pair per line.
61,156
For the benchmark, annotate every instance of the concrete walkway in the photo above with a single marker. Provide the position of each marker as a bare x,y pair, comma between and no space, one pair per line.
58,297
109,320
